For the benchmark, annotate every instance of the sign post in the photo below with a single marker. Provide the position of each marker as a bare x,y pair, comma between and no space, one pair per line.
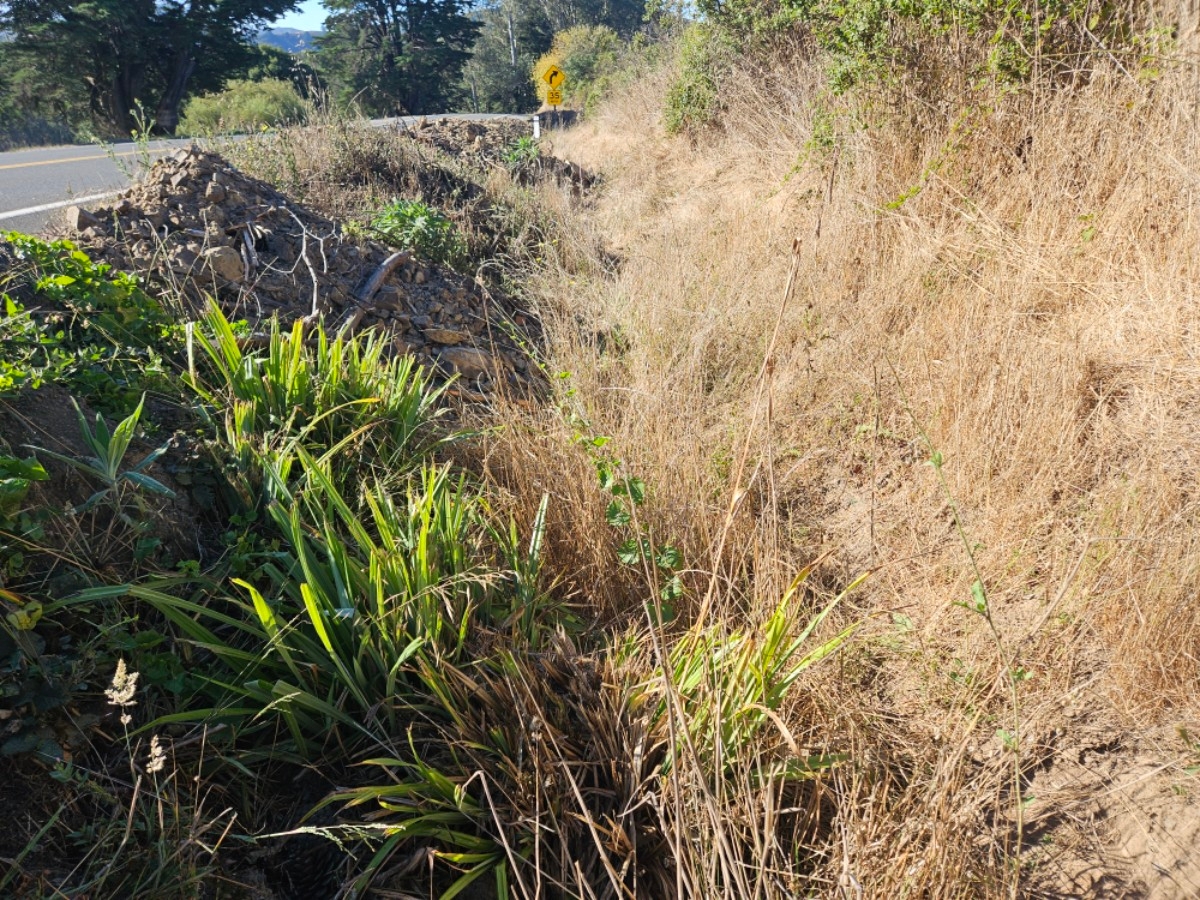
555,78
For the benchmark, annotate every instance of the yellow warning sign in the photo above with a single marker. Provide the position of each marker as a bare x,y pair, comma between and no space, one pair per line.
554,97
554,76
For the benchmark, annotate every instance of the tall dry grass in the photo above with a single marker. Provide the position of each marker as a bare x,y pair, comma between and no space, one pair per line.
778,323
1029,308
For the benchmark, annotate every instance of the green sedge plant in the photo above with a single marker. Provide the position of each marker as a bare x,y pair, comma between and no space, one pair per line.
522,764
107,463
377,413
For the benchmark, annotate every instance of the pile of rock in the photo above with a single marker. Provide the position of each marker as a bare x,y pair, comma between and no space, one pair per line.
196,228
486,140
493,143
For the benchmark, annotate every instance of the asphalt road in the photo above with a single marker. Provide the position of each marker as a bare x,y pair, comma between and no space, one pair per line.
36,185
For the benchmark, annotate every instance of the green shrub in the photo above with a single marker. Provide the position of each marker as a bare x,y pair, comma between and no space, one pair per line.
693,99
927,40
244,106
93,330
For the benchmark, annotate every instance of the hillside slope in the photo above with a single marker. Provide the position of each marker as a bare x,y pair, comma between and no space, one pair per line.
1004,288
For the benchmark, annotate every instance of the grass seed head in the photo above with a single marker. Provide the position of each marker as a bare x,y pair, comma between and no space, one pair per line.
158,756
124,686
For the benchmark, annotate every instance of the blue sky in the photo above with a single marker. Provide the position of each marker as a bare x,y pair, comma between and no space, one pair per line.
309,16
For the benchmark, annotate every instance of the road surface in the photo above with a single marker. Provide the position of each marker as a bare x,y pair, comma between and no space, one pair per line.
35,185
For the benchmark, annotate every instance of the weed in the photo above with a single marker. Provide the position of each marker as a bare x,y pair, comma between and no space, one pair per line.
93,330
156,839
524,151
143,127
1013,674
448,628
414,225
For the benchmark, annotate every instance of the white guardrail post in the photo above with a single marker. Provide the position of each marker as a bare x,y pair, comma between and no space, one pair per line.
537,127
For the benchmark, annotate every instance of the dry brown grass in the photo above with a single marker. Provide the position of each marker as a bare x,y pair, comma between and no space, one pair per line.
1032,308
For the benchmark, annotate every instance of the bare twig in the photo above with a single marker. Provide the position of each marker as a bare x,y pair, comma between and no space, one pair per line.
315,312
371,288
386,268
249,257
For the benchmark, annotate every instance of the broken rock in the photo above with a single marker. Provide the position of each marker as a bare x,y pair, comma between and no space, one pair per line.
468,361
79,219
445,336
224,262
238,241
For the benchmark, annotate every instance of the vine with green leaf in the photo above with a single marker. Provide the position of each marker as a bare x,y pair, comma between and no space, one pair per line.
662,561
77,323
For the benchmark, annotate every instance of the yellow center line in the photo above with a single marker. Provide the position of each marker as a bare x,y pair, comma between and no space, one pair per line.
51,162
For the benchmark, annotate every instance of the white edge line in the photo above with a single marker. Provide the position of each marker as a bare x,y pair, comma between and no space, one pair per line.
48,207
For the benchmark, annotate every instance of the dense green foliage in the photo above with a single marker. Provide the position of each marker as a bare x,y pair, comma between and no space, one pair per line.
85,329
106,56
409,57
80,324
244,106
396,56
27,116
932,40
693,99
413,225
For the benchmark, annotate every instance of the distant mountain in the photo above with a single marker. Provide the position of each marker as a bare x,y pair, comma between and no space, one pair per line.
293,40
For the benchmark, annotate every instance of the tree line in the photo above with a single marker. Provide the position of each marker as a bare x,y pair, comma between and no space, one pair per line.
109,67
